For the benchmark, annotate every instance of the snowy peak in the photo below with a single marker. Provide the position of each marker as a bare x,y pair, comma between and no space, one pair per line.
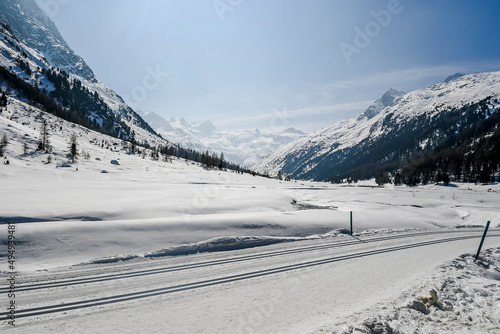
390,98
454,77
153,118
294,131
207,128
184,122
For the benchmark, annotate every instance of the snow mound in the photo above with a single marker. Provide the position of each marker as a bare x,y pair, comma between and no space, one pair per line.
221,244
467,301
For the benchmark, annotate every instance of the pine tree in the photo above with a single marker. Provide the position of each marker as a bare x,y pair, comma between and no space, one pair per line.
222,163
3,100
4,140
73,147
382,178
44,141
446,179
397,179
132,143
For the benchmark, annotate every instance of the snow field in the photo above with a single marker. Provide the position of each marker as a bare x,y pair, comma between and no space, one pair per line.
143,207
70,223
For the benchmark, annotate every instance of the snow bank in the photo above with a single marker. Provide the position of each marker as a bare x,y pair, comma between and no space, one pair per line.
221,244
468,302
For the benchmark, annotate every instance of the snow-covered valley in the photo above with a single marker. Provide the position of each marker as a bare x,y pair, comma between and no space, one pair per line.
119,230
140,247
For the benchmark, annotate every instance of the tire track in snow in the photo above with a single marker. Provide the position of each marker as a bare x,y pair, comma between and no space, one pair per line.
103,278
30,312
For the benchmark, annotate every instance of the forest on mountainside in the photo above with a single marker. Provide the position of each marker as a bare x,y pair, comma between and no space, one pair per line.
461,145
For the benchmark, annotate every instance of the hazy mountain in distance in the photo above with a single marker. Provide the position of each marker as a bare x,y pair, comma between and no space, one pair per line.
244,147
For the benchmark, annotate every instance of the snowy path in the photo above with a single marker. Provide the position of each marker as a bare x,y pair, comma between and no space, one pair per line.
269,289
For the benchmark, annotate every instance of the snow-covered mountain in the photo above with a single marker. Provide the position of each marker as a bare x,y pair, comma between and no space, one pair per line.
393,127
454,77
32,49
390,98
243,147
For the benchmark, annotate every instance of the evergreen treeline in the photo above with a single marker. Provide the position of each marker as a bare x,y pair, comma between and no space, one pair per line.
77,97
71,101
39,98
207,159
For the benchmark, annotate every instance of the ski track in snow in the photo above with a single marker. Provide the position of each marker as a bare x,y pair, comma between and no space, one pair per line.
396,259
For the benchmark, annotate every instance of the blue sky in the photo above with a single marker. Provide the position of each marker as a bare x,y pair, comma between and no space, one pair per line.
275,63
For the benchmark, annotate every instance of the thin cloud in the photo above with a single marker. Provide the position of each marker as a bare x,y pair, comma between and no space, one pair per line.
313,106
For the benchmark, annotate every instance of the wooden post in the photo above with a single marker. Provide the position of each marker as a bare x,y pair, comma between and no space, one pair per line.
351,222
482,239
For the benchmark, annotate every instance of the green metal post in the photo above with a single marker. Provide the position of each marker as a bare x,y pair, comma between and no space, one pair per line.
482,239
351,222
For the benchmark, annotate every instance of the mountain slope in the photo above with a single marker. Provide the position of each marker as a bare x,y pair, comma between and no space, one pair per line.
33,28
293,158
423,118
33,50
244,147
